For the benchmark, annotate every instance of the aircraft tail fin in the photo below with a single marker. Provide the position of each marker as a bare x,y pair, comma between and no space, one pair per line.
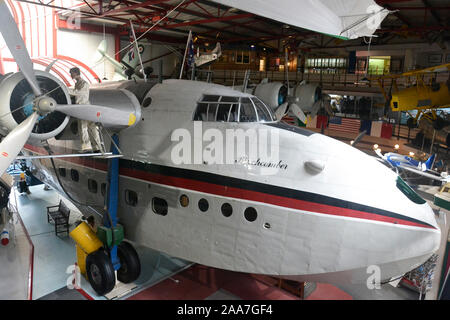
429,163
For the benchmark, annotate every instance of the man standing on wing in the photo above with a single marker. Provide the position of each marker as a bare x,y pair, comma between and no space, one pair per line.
90,136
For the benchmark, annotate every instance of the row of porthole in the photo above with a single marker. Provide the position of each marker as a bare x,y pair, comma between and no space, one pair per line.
160,207
131,197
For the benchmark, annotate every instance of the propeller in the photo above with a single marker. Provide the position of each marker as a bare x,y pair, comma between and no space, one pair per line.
15,43
15,140
42,105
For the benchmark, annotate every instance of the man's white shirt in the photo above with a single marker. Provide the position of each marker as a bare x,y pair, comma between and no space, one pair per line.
81,92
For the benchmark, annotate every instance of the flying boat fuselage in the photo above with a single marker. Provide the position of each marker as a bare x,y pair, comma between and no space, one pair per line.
307,208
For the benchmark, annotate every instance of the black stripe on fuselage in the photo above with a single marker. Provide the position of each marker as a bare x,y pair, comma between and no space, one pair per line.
260,187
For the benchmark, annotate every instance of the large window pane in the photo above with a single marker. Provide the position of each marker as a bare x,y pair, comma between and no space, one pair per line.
263,112
222,113
234,113
200,113
247,111
211,98
212,111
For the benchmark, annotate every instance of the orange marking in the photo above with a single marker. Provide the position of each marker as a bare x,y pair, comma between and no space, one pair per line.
98,114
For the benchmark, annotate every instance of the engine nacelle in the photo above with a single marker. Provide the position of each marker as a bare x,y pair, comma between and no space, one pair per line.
16,104
273,94
308,95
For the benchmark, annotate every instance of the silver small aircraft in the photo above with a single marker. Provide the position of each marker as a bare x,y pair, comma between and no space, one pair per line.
325,213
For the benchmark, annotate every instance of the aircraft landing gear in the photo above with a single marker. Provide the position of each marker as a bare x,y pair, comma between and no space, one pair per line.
100,272
130,266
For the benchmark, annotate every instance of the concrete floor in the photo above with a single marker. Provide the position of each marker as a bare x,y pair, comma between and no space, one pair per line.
15,265
53,255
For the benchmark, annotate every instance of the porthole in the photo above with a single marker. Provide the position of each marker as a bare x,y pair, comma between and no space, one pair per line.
147,102
74,175
227,210
159,206
203,205
250,214
131,198
92,185
184,201
62,172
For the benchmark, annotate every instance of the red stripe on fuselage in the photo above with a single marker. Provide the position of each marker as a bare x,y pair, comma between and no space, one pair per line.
237,193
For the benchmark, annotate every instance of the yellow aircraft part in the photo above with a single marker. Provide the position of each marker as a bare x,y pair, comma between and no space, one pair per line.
87,242
131,119
420,97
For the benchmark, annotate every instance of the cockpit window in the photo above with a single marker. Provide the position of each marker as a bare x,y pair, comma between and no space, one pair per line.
247,111
409,192
232,109
263,113
211,98
212,111
201,112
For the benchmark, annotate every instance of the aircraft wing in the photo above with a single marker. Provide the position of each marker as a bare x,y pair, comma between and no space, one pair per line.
347,19
419,172
440,68
437,69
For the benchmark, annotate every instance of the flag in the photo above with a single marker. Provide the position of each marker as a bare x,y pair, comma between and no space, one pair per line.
376,128
386,131
311,122
190,61
345,124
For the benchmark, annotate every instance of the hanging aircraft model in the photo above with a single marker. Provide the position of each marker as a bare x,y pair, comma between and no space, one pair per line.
424,97
206,59
313,209
123,69
403,162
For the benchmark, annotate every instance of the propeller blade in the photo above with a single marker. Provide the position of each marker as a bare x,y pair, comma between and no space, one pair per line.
15,140
315,108
14,41
50,66
109,117
281,111
421,173
358,138
298,112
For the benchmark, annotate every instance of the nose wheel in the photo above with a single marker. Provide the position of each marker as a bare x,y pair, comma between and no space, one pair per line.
130,267
100,272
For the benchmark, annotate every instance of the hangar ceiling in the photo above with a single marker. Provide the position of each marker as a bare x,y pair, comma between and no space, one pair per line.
411,21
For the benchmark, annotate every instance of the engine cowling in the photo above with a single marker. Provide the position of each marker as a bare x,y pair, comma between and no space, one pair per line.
16,104
273,94
308,95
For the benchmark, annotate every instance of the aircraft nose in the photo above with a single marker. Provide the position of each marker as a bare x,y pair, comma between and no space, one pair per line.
435,239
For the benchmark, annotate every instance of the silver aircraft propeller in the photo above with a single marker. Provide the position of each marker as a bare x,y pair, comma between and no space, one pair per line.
16,139
290,105
15,43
